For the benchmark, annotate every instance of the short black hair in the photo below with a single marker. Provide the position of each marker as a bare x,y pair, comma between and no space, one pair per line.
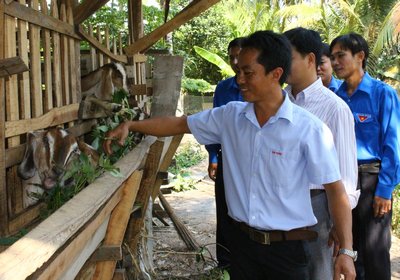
237,42
306,41
275,51
325,50
353,42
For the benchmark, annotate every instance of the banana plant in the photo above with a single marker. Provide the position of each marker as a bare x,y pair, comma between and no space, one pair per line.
225,68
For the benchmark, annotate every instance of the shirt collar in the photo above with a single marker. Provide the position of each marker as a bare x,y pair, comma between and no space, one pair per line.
234,84
284,112
305,93
366,85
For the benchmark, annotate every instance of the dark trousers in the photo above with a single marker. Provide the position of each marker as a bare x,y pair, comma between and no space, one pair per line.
371,236
285,260
223,254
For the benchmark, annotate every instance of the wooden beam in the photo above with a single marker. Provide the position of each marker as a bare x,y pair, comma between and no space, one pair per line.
107,253
150,39
54,117
86,9
49,249
93,41
13,65
166,162
3,186
118,223
183,232
149,176
17,10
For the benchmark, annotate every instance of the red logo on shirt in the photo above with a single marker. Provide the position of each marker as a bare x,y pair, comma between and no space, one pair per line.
363,117
277,153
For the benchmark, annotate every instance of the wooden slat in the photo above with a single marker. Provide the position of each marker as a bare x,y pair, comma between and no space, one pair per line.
54,117
23,220
150,39
72,67
118,223
35,65
3,190
24,82
65,60
39,252
100,40
107,252
17,10
47,79
56,58
12,102
95,42
92,49
86,9
12,65
107,43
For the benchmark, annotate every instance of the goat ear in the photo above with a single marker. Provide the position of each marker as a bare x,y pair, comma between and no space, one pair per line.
107,88
27,167
89,151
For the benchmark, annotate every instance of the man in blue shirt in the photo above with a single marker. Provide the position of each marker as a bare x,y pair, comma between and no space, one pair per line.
376,110
226,91
272,150
325,70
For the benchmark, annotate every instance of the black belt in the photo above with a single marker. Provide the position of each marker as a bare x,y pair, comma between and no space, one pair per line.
372,167
316,192
266,237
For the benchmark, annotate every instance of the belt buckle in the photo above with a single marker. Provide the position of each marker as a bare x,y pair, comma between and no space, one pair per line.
259,236
266,238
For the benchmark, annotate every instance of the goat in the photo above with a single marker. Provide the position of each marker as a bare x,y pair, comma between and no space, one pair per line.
97,89
103,81
48,155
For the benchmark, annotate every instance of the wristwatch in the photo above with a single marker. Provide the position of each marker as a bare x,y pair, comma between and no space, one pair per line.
350,253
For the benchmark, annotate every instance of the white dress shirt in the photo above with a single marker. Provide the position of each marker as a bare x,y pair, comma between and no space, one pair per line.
335,113
268,170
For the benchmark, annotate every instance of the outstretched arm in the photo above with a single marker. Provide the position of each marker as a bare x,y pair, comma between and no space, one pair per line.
158,126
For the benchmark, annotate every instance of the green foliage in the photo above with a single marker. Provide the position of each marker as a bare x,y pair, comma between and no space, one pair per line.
187,156
215,59
207,31
83,172
197,87
396,212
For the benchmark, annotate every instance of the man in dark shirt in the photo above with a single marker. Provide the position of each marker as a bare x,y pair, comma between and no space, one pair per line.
226,91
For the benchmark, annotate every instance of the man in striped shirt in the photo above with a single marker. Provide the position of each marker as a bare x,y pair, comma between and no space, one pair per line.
307,90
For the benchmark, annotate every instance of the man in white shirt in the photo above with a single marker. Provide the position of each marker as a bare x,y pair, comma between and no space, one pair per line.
307,90
272,150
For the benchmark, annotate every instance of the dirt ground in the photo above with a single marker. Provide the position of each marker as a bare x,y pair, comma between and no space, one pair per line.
196,209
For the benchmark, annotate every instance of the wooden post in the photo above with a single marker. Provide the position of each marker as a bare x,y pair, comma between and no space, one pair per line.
118,223
3,190
148,179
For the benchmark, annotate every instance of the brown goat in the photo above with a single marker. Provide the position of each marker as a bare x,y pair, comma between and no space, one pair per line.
48,155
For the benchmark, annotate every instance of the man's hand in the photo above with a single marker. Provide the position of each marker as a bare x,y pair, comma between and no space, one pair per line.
119,134
344,265
334,240
212,170
381,206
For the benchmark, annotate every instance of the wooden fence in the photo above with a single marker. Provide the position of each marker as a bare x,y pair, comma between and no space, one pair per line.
42,35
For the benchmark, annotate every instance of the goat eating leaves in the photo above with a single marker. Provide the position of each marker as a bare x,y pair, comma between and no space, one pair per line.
48,154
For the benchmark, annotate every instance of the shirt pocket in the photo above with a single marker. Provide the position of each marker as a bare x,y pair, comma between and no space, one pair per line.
283,166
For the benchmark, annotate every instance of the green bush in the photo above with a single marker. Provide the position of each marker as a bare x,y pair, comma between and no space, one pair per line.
396,212
197,87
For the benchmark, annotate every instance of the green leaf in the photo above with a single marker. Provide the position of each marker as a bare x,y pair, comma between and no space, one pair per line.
215,59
